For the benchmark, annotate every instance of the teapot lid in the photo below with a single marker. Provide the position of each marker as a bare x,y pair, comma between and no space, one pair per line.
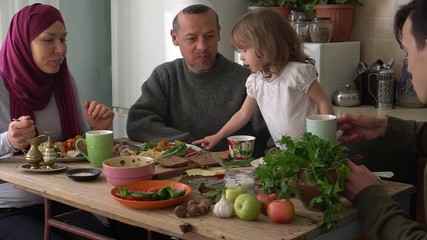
348,89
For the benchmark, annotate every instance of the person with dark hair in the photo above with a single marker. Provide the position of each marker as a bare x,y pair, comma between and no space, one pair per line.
284,80
194,96
37,94
382,217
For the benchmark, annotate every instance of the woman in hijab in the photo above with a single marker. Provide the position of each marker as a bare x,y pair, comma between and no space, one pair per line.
37,94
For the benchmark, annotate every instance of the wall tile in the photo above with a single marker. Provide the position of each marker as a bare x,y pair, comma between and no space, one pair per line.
368,9
386,8
366,28
383,29
374,29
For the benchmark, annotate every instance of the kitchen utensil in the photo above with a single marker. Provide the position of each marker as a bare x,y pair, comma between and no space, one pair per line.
347,97
384,97
377,65
389,64
220,161
384,174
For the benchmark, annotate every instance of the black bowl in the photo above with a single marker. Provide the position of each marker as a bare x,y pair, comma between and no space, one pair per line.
83,174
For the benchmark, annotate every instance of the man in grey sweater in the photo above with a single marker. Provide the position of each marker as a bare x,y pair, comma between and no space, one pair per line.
193,96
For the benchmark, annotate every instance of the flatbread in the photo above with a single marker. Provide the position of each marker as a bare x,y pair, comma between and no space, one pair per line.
173,162
213,171
204,160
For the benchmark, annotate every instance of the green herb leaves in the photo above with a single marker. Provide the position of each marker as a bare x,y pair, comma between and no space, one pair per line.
321,163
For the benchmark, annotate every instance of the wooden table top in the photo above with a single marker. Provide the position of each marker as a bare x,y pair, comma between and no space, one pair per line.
95,197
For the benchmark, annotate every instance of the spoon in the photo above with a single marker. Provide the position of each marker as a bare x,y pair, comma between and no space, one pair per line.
219,160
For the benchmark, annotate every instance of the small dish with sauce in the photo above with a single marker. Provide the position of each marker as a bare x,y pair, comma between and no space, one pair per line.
83,174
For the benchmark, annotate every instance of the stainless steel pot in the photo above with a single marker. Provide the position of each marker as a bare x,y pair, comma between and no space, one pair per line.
347,97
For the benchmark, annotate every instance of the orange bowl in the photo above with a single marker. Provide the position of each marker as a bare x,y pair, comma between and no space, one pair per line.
156,184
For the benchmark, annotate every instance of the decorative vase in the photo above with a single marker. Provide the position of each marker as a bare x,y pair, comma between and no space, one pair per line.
405,93
341,17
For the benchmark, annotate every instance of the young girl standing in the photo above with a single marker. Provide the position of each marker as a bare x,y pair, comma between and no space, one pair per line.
283,82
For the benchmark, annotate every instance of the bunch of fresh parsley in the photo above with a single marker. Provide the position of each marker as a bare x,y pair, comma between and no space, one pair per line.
315,158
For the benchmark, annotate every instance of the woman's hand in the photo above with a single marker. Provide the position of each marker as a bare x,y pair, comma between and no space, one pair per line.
19,130
98,116
358,128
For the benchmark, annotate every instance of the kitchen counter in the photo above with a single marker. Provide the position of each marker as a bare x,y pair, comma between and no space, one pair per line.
417,114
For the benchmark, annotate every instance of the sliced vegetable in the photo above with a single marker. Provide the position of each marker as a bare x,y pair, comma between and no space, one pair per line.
177,150
141,195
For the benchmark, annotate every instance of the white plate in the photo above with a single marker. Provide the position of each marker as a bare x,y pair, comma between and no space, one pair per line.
255,163
56,167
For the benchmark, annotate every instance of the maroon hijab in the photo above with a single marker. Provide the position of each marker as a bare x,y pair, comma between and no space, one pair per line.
30,88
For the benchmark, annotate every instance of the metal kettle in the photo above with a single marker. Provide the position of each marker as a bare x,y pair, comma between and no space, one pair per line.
384,97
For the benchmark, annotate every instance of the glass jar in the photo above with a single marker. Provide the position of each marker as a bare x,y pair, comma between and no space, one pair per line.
320,30
301,27
296,14
240,176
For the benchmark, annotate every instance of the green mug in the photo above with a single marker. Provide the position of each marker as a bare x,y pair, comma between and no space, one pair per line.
323,125
99,146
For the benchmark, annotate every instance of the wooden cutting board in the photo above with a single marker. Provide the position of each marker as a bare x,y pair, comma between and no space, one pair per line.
161,172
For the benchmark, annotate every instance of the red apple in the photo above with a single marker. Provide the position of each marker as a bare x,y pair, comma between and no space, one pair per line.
281,211
265,200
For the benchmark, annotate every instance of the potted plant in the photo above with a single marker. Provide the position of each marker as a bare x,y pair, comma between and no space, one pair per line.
340,12
306,164
282,6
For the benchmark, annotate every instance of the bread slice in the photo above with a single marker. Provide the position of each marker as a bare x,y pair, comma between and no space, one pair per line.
204,160
173,162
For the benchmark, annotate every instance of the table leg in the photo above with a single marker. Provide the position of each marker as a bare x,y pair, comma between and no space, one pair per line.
47,215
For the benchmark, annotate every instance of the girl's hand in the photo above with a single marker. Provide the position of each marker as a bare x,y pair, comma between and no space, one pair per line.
19,130
98,116
208,142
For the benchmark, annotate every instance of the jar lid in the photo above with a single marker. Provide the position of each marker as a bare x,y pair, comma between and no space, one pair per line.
317,19
303,20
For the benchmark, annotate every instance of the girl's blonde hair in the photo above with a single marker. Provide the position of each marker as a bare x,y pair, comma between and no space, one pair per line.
274,40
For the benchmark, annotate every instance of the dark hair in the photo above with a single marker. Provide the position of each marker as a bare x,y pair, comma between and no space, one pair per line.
416,11
274,39
193,9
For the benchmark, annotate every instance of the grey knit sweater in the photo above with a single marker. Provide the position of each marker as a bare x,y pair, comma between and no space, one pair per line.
176,104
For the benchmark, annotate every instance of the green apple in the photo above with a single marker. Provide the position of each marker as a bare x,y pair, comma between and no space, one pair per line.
247,207
232,193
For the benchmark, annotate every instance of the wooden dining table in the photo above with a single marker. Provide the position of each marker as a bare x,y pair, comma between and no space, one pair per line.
95,197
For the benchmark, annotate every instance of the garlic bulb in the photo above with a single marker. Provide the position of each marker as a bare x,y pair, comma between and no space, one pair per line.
223,208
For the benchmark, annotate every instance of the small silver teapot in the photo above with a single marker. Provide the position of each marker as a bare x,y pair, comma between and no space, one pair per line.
347,97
